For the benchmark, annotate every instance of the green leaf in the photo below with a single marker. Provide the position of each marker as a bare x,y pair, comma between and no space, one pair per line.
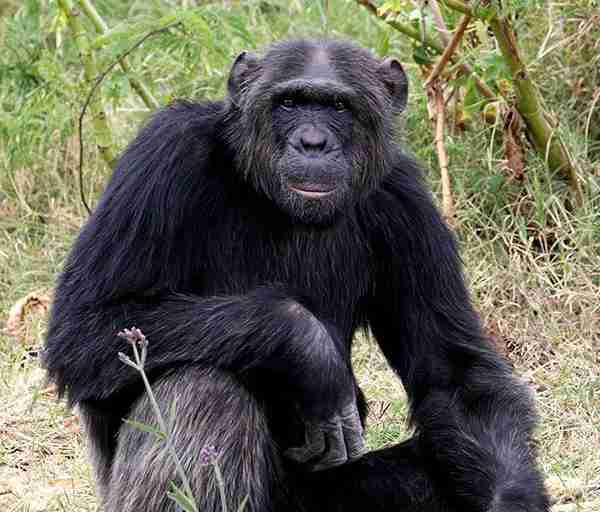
383,44
461,80
237,25
187,503
415,15
170,19
485,12
147,428
391,6
495,183
495,68
481,30
472,102
421,55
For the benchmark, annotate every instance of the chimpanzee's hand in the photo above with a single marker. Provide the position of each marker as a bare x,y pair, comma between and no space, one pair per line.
331,442
326,398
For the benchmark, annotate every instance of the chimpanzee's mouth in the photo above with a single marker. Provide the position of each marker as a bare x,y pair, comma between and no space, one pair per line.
313,190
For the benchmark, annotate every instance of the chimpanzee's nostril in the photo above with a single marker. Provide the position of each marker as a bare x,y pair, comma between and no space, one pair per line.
313,139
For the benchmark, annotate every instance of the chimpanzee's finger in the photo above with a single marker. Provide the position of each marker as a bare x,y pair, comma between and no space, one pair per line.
353,432
335,453
313,447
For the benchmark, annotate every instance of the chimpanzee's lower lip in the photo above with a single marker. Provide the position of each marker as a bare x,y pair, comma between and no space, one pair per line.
313,194
313,191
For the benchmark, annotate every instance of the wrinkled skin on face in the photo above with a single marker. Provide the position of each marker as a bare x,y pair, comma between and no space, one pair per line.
314,124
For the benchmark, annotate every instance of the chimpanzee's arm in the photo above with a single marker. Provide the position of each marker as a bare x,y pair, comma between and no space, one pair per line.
474,419
262,330
263,333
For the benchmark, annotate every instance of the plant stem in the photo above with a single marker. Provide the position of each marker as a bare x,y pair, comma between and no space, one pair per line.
99,120
221,486
162,423
440,125
411,32
546,141
528,103
439,22
458,5
102,28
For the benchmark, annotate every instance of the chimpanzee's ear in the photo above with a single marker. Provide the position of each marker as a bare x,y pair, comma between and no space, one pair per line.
243,64
393,76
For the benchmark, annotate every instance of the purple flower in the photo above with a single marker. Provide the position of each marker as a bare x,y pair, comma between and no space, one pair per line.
133,335
208,455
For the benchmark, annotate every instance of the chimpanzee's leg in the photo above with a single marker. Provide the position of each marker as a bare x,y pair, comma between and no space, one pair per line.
389,480
206,407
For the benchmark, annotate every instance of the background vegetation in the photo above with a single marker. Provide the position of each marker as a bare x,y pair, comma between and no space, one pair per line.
532,256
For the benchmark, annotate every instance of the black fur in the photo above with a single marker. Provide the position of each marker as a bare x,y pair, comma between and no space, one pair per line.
250,292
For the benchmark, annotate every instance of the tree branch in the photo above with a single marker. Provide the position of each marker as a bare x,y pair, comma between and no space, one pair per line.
431,43
449,51
401,27
439,23
437,93
466,68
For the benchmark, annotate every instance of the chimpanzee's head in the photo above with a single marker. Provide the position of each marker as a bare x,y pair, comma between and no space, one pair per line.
312,123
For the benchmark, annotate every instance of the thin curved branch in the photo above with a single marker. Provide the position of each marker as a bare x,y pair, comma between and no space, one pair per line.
90,95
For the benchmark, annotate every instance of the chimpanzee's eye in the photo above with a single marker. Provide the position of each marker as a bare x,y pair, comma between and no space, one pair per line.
340,106
288,102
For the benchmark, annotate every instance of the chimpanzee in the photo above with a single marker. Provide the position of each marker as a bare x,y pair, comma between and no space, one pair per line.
249,239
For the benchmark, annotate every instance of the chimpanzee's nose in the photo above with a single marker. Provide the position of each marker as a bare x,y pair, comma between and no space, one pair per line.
313,139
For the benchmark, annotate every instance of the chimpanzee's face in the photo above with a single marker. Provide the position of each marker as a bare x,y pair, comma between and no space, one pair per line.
315,124
313,140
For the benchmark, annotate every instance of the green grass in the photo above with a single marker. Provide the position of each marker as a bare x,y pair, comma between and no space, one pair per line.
533,265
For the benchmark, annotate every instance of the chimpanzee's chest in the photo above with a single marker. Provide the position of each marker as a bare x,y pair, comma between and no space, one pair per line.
330,267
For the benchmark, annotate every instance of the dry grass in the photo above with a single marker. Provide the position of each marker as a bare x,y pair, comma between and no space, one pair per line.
42,460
